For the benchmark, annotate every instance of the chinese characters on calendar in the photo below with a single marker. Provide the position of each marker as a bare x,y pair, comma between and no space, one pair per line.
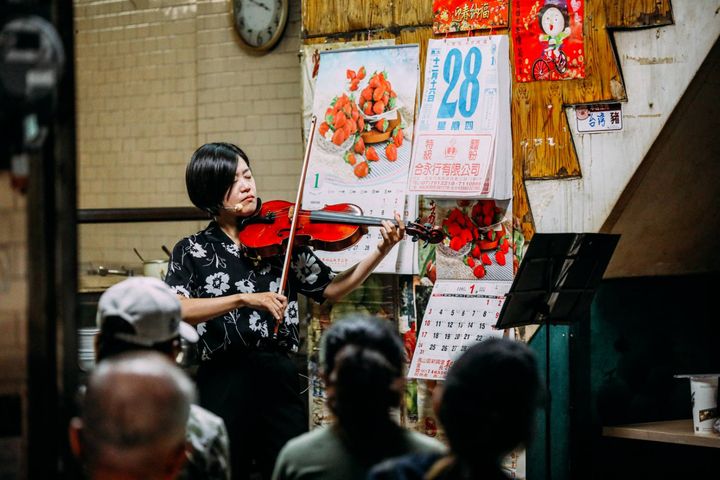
459,149
458,315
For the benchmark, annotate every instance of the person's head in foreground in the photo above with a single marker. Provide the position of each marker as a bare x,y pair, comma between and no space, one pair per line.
362,359
487,404
134,414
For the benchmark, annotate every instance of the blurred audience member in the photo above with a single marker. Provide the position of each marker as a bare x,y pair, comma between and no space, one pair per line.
133,421
487,407
362,362
143,313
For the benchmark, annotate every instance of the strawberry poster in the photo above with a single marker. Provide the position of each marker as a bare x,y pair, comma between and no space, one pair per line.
462,15
478,244
364,103
463,145
548,36
310,66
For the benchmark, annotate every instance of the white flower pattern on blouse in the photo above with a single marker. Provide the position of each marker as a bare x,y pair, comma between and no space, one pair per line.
180,290
201,327
291,314
205,265
245,286
257,324
217,283
306,268
197,250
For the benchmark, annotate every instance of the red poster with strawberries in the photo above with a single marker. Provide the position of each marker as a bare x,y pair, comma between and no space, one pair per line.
548,39
464,15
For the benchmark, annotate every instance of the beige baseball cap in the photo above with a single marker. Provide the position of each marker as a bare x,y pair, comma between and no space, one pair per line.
150,307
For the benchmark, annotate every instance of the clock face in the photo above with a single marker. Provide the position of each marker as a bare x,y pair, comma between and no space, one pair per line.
260,23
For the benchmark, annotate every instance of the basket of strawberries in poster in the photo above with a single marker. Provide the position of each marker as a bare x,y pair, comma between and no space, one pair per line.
476,236
364,126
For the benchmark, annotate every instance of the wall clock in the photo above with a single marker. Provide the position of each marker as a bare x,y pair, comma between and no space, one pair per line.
259,23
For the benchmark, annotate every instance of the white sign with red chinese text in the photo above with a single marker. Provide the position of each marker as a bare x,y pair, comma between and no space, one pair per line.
458,315
463,144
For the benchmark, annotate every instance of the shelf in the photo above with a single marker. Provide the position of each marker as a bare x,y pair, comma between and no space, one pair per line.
673,431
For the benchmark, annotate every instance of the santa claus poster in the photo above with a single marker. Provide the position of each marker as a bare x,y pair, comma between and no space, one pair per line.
548,36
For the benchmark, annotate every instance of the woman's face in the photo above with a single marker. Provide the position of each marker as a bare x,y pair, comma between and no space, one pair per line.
241,198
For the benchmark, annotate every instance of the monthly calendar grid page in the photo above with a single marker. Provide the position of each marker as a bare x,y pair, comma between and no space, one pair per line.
458,314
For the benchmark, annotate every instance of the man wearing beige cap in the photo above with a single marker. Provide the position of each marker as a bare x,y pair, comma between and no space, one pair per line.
143,313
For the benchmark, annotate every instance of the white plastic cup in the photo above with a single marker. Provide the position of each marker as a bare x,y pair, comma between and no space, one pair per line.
703,391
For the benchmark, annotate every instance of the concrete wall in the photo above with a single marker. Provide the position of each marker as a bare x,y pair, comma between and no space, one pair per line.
657,65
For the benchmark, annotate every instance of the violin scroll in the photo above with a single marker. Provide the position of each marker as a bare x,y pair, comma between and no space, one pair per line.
427,232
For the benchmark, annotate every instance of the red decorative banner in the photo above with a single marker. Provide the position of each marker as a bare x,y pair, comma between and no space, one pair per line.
548,36
463,15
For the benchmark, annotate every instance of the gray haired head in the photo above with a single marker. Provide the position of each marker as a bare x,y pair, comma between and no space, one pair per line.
134,413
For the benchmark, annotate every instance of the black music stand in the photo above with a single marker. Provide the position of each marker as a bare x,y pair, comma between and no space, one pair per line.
555,285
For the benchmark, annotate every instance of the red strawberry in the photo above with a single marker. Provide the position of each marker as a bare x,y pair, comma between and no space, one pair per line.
500,257
378,108
361,169
354,84
350,74
470,262
398,137
361,73
339,120
378,93
382,125
485,259
349,158
504,245
366,94
324,127
371,154
488,207
479,271
475,251
391,152
456,243
359,146
339,137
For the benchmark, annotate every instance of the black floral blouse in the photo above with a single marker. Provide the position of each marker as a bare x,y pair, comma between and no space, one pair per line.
208,264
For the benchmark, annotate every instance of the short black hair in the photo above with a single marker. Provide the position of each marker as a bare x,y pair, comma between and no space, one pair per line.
210,173
365,332
363,360
490,399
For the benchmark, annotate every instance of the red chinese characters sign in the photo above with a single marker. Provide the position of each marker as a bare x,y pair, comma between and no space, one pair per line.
548,39
463,15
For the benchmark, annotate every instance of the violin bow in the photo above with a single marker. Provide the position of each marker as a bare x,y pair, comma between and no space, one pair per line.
293,222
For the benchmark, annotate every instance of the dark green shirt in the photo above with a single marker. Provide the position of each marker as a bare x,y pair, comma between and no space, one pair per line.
321,455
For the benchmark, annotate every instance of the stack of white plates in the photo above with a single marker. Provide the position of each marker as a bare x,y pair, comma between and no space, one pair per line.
86,348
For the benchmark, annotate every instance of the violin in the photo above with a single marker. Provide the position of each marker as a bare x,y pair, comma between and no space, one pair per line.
277,227
333,228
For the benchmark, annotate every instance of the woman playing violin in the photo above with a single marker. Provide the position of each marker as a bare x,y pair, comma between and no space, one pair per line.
245,375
